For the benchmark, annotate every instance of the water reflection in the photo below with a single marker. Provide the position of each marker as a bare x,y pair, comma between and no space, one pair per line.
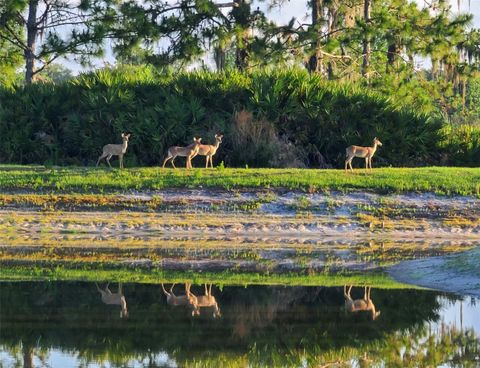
63,324
360,305
114,298
186,300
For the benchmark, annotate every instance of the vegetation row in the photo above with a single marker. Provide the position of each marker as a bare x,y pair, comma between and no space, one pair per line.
269,119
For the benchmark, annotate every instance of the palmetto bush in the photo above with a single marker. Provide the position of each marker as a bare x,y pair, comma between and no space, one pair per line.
303,114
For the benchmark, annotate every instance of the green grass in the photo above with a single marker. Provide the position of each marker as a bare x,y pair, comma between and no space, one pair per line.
155,276
440,180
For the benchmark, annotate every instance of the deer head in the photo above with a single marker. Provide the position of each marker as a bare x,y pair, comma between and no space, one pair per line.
377,142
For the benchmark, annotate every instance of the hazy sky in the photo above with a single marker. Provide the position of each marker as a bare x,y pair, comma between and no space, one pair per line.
298,9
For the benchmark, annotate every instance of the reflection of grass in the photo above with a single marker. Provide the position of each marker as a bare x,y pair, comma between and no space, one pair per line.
17,273
444,180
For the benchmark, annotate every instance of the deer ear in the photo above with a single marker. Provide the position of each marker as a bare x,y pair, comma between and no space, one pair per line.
194,139
123,135
199,140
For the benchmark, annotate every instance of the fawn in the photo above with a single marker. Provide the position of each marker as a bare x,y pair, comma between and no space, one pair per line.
119,150
189,152
363,152
209,150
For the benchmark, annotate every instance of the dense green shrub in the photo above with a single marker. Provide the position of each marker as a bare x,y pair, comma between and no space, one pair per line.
306,117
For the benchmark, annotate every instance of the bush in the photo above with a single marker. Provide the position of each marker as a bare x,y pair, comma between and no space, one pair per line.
278,119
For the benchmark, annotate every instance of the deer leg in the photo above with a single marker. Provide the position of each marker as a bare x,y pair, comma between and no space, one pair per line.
120,158
371,163
164,291
108,160
98,287
102,156
206,161
366,163
166,159
350,164
211,161
173,159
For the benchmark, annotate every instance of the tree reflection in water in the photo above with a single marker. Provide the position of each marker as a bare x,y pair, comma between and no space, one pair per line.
259,326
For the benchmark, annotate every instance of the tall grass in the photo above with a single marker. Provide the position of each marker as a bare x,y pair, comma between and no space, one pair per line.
306,119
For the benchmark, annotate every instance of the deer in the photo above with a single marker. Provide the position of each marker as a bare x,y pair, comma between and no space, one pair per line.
357,305
209,150
187,300
207,301
363,152
114,298
119,150
189,152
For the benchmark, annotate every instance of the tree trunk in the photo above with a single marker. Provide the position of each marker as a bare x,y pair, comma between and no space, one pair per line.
391,56
219,56
32,30
315,63
241,14
366,40
27,351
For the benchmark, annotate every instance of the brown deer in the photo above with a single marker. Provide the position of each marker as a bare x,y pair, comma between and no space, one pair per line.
189,152
188,300
363,152
119,150
114,298
357,305
207,301
209,150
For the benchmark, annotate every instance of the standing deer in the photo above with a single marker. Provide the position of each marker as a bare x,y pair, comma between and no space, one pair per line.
187,300
209,150
363,152
189,152
119,150
114,298
357,305
207,301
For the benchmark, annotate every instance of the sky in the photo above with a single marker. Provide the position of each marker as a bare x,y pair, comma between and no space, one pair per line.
293,9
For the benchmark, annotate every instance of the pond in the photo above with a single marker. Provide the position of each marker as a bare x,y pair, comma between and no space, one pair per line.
85,324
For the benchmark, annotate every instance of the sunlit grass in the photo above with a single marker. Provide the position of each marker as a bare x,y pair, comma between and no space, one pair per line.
156,276
440,180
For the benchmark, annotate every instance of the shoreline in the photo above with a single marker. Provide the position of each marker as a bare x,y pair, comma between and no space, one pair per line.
326,235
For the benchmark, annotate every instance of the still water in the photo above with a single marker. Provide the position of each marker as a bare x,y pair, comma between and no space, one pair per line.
79,324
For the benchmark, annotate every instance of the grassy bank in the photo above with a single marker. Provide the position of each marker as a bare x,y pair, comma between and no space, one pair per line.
440,180
156,276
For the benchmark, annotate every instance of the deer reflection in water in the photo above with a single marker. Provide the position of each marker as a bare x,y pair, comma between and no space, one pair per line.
114,298
207,301
358,305
191,301
187,300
